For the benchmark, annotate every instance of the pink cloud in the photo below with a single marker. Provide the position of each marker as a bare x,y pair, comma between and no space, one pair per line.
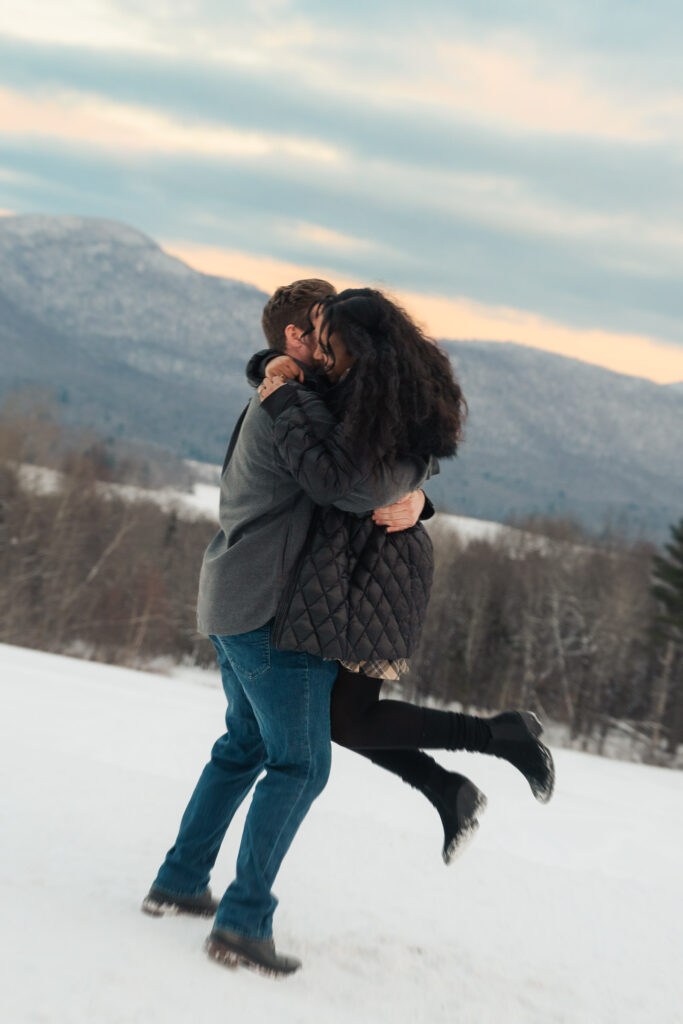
101,122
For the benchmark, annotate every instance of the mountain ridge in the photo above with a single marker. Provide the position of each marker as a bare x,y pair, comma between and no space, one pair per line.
135,343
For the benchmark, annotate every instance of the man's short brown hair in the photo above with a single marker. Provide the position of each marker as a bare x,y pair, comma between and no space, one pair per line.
290,304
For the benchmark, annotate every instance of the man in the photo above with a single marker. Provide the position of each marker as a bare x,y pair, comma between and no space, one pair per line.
278,701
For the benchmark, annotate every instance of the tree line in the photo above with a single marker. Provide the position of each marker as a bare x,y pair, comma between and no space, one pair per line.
588,632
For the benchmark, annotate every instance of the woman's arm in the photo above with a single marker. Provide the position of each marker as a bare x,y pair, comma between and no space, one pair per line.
269,363
309,441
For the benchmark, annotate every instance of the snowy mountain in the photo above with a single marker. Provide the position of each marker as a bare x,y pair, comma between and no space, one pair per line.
567,913
129,339
135,343
563,437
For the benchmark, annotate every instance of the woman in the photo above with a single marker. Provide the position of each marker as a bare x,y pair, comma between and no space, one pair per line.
359,593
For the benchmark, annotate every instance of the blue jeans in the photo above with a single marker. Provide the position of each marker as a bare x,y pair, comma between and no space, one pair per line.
278,719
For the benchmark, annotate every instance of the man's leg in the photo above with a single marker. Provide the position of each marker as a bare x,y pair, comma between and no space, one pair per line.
290,696
237,759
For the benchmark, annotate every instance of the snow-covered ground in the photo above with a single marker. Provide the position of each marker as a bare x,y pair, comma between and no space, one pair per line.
570,912
202,501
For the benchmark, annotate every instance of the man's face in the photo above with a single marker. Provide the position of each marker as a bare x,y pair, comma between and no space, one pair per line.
313,334
300,344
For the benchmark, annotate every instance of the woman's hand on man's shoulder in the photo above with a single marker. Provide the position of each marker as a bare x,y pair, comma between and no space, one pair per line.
269,386
278,372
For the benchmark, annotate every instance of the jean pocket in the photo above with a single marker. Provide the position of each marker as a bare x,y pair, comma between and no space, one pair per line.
249,653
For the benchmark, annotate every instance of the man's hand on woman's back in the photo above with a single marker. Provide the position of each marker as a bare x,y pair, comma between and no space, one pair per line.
402,514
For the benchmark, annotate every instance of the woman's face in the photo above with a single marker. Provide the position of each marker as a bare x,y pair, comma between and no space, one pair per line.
332,356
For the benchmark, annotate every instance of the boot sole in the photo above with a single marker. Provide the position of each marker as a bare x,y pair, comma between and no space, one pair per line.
231,958
158,908
544,793
533,724
474,803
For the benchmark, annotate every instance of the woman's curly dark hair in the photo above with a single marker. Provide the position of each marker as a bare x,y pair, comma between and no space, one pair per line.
401,397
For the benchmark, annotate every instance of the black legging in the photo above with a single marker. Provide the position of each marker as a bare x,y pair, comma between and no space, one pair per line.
395,734
361,721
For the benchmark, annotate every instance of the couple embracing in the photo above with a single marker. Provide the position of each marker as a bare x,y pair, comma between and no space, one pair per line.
314,591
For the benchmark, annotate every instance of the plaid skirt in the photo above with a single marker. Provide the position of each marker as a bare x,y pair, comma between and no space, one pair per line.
379,668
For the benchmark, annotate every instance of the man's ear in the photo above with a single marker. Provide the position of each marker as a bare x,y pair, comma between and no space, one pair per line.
294,346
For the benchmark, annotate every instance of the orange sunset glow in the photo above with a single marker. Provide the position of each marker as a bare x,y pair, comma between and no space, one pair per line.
460,318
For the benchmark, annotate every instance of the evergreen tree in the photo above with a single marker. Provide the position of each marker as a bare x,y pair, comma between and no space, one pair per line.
667,694
667,571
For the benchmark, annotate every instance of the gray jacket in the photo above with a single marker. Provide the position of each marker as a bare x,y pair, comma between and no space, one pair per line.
265,514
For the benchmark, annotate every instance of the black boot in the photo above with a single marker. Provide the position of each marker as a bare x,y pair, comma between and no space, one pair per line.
514,737
157,902
459,804
457,800
232,949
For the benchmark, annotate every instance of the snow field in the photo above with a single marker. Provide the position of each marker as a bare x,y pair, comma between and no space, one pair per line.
564,913
203,500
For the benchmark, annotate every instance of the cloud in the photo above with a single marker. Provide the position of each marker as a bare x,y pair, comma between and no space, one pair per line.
333,240
515,160
258,205
97,121
91,23
511,84
589,171
512,63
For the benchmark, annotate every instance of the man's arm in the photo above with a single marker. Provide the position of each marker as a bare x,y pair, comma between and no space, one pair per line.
310,443
404,514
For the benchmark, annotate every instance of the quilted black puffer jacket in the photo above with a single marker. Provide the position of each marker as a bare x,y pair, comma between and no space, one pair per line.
356,591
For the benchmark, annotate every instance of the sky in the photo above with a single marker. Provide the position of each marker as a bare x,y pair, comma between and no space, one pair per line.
509,170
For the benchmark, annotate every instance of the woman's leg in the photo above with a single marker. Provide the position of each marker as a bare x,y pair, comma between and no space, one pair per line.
457,800
354,715
362,721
